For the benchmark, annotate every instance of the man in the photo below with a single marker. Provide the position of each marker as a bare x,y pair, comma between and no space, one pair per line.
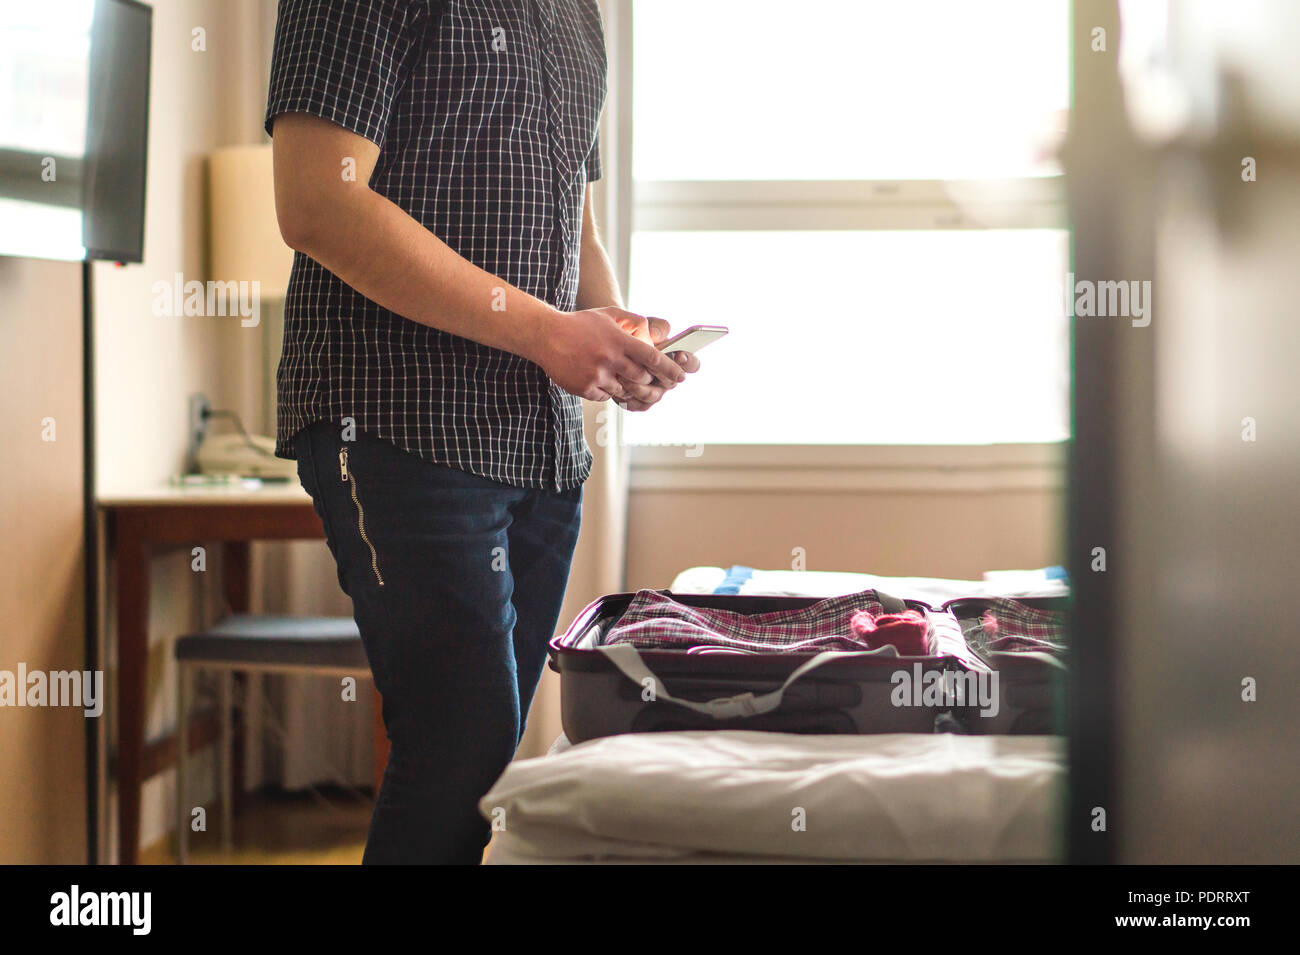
432,170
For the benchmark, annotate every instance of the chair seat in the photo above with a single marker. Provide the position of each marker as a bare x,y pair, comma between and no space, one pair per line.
276,640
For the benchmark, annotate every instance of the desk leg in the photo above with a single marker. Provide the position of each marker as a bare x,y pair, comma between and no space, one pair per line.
237,586
132,668
236,567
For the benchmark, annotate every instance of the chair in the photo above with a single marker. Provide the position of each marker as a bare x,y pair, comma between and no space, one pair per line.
254,643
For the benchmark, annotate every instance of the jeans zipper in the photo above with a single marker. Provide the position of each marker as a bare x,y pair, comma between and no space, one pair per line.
350,478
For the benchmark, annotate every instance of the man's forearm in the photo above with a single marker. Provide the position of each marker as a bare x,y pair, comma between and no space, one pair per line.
597,283
374,246
386,255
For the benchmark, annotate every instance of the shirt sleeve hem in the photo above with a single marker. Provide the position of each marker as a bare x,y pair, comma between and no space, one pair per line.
353,123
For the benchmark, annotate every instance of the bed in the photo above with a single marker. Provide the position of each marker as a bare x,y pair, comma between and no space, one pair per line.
720,797
1044,582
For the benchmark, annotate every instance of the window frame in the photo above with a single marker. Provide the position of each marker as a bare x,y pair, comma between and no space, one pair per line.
1037,202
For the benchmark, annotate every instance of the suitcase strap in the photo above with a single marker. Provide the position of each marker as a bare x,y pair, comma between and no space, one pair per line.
629,662
890,604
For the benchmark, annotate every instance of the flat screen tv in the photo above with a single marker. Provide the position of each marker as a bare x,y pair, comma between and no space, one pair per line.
74,128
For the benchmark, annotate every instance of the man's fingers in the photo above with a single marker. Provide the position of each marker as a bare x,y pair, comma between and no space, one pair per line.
688,361
644,393
611,386
632,373
635,325
659,329
655,361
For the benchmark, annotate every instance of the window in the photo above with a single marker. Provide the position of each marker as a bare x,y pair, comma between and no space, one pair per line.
44,71
865,193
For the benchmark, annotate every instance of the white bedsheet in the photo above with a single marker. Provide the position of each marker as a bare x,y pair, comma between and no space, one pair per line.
932,590
732,796
826,583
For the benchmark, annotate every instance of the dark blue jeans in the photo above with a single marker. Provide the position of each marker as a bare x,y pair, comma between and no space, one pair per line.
456,583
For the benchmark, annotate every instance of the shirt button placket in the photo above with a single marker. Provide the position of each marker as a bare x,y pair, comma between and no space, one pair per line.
562,235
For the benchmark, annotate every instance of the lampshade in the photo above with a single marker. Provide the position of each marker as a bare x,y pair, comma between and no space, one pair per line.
245,238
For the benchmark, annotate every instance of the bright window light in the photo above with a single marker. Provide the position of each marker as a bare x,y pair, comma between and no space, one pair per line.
848,89
44,52
776,154
861,337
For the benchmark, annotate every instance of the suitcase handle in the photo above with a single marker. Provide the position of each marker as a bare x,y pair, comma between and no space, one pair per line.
628,661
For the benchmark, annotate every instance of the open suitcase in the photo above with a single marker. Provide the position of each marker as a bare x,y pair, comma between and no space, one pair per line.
612,689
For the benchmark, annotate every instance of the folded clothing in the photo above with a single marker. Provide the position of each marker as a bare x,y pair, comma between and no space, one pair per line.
656,621
1009,626
908,631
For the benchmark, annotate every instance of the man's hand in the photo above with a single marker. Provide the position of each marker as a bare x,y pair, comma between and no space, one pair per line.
598,292
654,330
661,331
603,353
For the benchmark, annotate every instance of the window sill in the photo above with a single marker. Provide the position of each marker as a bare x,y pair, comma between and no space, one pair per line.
852,468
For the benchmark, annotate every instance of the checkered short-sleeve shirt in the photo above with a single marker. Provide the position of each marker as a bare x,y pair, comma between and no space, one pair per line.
485,112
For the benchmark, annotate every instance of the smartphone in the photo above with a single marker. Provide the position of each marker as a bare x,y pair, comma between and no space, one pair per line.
693,339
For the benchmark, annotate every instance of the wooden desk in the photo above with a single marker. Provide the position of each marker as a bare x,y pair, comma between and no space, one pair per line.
167,516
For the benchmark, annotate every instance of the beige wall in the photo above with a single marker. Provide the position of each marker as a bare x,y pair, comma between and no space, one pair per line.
147,366
924,533
42,750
